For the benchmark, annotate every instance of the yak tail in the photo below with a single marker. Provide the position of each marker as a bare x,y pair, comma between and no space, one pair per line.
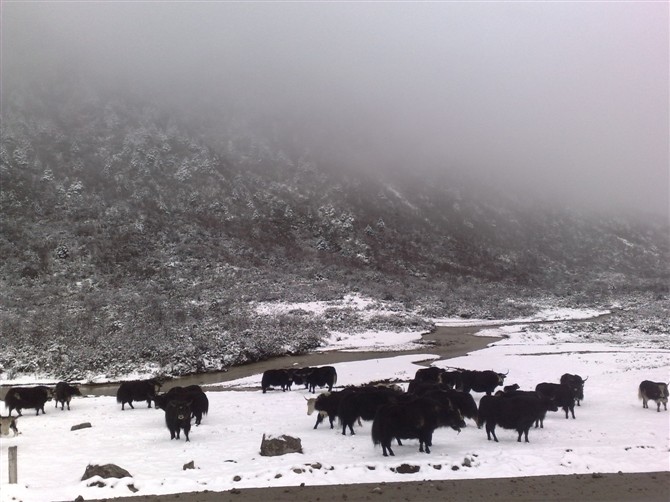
335,379
640,394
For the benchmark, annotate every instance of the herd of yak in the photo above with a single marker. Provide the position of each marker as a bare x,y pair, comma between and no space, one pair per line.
434,398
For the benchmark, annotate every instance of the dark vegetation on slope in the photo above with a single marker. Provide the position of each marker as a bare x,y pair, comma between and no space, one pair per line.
133,234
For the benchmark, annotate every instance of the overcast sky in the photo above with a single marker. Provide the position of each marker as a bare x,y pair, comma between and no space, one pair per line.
569,99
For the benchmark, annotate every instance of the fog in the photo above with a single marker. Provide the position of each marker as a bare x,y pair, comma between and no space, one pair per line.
566,101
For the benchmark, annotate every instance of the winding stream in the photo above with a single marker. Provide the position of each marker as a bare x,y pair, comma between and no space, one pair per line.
445,342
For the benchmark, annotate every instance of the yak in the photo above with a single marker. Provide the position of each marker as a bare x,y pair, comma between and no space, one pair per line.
548,404
463,401
515,412
563,395
64,393
178,417
363,403
326,405
137,390
8,424
480,381
313,377
576,383
192,393
19,398
654,391
276,378
433,374
414,419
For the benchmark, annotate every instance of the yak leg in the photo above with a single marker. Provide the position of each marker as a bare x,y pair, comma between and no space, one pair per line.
492,429
489,429
344,428
525,433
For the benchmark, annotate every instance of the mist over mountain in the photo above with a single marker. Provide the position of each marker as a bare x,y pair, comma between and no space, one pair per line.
154,190
128,225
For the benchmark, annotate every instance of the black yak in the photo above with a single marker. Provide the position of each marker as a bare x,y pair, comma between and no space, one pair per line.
192,393
576,383
515,412
276,378
64,393
480,381
178,417
413,419
561,394
19,398
363,403
137,390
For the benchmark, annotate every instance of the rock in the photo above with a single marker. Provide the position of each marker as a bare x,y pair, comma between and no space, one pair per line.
190,465
105,471
466,462
407,469
272,447
85,425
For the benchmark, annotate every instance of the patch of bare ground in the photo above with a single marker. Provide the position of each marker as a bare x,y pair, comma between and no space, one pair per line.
648,486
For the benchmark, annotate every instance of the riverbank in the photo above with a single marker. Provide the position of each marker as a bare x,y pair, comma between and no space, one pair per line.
444,342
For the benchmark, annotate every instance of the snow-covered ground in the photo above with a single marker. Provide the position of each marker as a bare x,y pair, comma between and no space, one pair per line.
612,432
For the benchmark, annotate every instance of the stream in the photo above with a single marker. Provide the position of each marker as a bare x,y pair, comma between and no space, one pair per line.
445,342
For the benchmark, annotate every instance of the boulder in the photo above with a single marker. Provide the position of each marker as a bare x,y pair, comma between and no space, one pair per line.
274,446
105,471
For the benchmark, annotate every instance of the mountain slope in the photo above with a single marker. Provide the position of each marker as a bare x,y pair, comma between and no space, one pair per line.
139,232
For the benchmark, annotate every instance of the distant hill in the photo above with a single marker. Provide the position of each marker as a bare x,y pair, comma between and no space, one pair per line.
133,233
